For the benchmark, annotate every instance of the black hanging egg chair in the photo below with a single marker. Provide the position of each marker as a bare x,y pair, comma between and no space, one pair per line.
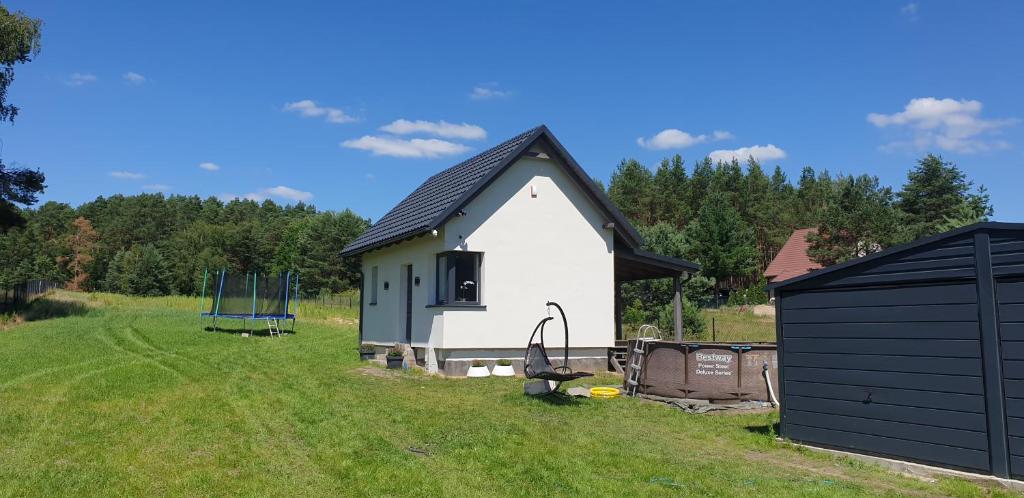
537,365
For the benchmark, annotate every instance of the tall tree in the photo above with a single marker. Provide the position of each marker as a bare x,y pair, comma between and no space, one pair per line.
82,243
632,190
721,241
670,193
19,42
859,221
937,191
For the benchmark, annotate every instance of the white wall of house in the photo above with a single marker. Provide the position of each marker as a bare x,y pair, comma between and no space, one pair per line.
384,322
548,246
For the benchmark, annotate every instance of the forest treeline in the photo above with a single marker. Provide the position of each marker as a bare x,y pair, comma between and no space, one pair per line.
150,244
732,218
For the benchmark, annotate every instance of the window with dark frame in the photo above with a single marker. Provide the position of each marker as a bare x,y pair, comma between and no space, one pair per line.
458,277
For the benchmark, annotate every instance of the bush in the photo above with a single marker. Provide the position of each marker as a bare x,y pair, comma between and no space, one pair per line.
754,294
504,363
694,325
139,271
479,363
395,353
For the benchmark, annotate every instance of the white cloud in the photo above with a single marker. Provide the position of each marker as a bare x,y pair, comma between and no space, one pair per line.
398,147
910,11
487,91
759,152
672,138
79,79
947,124
309,109
208,166
157,187
127,175
134,78
288,193
442,129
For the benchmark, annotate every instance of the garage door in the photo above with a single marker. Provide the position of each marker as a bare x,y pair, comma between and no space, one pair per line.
892,371
1011,333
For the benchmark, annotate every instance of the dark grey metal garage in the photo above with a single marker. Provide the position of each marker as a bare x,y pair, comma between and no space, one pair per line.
916,352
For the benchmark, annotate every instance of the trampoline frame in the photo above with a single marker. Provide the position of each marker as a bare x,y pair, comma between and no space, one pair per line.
272,319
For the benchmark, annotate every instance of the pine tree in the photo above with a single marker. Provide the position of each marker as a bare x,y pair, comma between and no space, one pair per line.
861,220
721,241
632,190
670,193
938,190
82,243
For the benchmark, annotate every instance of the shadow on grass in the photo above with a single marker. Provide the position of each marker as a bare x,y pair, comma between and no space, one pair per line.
557,398
239,330
769,430
46,308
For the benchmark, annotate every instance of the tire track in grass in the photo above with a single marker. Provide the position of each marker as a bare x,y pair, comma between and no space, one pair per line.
142,357
47,371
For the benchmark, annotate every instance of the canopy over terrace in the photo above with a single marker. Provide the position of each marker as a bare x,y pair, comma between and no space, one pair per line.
631,265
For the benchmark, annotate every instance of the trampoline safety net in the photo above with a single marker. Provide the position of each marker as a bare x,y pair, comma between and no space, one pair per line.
252,295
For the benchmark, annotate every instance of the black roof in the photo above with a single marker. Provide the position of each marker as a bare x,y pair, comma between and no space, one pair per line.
986,226
444,194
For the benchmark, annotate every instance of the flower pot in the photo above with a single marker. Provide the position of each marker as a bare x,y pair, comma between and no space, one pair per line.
503,371
395,362
366,356
478,372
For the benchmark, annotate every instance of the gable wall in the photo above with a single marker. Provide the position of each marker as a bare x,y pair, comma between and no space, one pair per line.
549,247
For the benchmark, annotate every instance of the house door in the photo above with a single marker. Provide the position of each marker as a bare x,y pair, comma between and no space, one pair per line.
408,304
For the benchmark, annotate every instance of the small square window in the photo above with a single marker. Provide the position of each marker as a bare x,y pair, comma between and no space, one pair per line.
458,277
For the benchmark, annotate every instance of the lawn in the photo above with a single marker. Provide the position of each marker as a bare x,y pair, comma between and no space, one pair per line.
128,396
736,324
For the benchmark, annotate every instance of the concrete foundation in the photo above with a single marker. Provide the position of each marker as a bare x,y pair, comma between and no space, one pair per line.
918,470
457,367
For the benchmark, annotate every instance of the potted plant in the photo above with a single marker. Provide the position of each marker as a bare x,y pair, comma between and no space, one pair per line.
478,369
367,352
395,358
503,368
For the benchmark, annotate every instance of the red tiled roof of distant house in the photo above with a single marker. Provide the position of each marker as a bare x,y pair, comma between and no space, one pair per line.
792,260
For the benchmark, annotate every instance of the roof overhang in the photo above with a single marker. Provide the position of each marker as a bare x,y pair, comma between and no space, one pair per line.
631,264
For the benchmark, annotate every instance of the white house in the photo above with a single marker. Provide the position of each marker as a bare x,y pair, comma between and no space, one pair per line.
462,267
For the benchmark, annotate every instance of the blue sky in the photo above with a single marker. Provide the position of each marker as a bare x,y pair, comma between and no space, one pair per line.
324,102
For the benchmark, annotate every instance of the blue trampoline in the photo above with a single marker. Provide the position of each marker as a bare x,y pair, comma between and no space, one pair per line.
251,296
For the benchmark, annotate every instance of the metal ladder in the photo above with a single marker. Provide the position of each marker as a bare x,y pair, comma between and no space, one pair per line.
274,327
645,335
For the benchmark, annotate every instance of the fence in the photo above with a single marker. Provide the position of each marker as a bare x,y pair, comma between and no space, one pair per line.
24,293
345,300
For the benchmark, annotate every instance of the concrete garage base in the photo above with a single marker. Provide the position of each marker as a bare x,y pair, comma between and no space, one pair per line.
918,470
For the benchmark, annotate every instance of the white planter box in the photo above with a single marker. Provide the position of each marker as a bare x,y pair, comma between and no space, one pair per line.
503,371
478,372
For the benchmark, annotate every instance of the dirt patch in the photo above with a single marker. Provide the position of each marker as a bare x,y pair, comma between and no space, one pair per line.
832,469
763,310
345,321
377,372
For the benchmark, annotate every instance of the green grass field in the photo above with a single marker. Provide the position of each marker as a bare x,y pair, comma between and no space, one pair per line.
732,324
128,397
